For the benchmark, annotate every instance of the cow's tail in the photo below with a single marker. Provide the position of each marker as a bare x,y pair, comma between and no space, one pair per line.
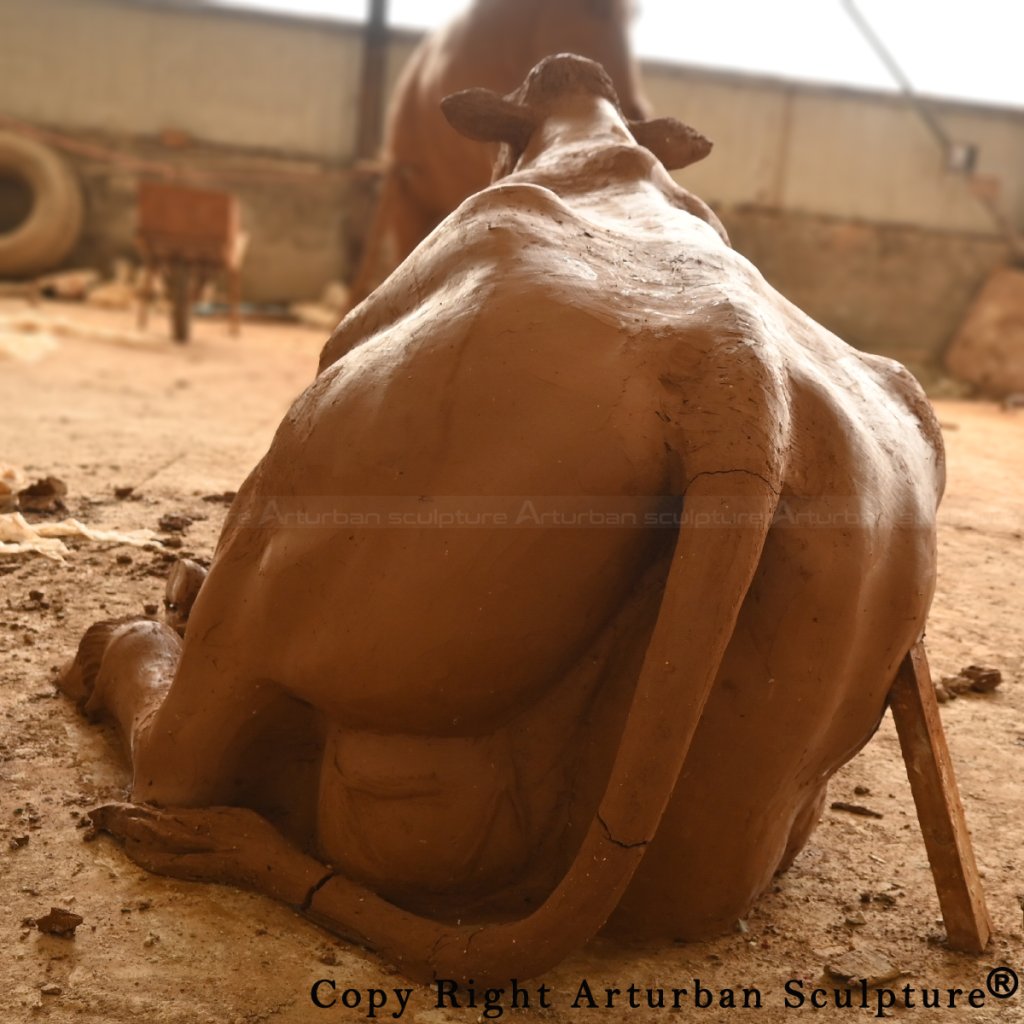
711,571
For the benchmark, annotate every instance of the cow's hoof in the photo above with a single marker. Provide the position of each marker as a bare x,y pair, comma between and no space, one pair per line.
77,679
183,583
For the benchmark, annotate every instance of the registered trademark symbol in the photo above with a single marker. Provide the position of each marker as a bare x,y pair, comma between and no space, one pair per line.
1002,982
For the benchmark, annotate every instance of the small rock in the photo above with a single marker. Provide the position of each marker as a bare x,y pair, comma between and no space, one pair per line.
856,921
151,609
123,493
175,523
866,965
973,678
223,499
150,940
17,842
124,559
59,922
46,495
861,791
51,989
71,285
983,680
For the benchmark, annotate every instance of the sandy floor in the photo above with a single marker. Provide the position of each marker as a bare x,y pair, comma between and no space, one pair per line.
178,424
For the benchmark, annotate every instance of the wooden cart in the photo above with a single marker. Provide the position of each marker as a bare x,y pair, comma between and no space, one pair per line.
188,235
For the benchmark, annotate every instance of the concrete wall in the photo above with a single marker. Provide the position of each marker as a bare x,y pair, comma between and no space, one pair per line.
285,90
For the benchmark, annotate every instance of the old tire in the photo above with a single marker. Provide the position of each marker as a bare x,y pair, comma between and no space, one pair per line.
40,207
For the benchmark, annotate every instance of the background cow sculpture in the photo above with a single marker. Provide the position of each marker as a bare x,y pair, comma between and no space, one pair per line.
470,744
429,167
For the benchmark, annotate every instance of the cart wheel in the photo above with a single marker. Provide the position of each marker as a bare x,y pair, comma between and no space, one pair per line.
179,287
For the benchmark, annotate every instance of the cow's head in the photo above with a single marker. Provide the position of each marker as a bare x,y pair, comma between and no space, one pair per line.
549,88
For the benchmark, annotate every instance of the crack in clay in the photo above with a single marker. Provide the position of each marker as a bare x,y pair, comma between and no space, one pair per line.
619,842
728,472
314,889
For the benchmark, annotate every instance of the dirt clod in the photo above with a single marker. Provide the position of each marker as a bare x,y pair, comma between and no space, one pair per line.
970,679
45,495
59,922
172,523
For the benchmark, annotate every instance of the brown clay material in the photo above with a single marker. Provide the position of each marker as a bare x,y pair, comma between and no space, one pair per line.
502,736
428,167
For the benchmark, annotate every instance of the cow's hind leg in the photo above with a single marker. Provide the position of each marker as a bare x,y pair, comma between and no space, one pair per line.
188,720
122,671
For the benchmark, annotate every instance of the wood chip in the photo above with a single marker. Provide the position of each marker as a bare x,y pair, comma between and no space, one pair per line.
864,812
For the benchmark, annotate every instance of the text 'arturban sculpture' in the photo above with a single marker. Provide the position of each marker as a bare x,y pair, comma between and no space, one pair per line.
584,562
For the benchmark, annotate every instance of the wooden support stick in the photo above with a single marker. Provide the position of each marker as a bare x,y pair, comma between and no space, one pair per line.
939,811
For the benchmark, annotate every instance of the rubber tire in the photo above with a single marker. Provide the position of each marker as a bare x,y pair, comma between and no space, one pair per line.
44,239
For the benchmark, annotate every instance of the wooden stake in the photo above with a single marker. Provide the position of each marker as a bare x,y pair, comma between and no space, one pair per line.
915,711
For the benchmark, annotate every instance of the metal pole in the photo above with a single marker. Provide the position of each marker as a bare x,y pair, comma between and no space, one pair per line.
371,98
897,72
949,148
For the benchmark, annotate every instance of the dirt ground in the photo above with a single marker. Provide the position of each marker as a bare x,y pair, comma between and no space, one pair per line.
182,423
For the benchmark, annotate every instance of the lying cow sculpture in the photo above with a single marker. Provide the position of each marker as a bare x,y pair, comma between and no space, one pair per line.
429,167
480,743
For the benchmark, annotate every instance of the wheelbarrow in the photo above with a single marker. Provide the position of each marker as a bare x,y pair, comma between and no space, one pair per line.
188,236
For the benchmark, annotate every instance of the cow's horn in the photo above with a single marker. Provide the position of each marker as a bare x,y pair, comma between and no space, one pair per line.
484,116
675,144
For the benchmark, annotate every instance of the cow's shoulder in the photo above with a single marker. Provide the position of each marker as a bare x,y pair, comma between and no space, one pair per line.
524,208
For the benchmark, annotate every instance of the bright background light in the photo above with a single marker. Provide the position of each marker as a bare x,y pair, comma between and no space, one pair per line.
968,49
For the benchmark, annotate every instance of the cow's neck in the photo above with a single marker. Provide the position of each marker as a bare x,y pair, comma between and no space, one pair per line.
578,122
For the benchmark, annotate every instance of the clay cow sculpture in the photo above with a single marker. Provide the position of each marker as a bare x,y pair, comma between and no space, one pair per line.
471,744
429,167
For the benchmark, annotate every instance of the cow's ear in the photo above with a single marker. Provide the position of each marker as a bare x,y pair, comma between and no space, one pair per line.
484,116
675,144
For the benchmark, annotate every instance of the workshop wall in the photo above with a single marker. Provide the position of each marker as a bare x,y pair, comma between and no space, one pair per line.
840,196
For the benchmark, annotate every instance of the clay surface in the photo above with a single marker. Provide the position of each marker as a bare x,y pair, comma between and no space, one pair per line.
429,167
574,718
988,350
